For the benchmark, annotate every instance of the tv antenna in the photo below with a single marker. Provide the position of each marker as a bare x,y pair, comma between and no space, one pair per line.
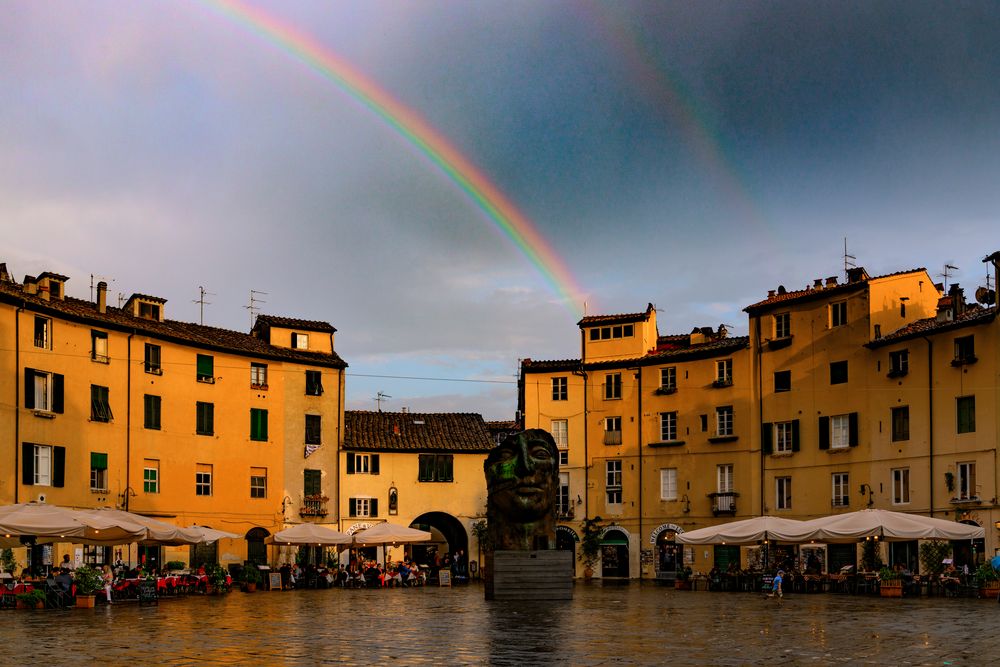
850,261
106,280
253,305
202,293
379,397
948,268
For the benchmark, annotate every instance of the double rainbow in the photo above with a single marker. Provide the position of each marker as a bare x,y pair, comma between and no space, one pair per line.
410,126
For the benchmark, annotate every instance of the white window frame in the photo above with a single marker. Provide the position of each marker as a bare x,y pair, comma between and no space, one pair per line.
613,481
724,371
560,432
840,431
560,388
43,465
784,437
258,375
98,479
203,483
43,390
260,485
668,483
783,493
724,420
724,482
362,502
966,481
362,464
46,340
300,341
668,377
840,489
668,426
838,314
900,486
782,325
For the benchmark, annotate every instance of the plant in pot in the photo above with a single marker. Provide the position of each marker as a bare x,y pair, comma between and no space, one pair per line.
31,600
590,545
988,581
216,578
7,561
890,583
251,578
683,580
88,581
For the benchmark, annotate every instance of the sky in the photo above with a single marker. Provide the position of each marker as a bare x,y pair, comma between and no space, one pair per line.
688,154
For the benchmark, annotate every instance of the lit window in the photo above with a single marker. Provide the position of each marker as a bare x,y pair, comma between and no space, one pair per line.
300,341
99,347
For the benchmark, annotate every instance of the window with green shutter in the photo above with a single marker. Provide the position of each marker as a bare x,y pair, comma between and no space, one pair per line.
314,430
151,411
205,420
100,408
258,424
206,368
966,414
435,468
98,471
312,482
314,383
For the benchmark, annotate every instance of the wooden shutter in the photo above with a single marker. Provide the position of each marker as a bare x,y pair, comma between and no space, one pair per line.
57,393
373,468
350,464
352,505
824,433
795,435
766,438
374,507
29,389
58,466
852,421
27,464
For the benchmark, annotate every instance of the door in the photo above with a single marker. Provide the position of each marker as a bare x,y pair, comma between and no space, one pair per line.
614,554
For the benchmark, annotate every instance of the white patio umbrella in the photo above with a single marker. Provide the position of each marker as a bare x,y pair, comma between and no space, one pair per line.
748,531
51,523
389,533
157,532
209,535
309,534
888,525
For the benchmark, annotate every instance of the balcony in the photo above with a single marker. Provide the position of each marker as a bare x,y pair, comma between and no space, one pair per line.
779,342
723,503
565,514
665,390
313,506
612,437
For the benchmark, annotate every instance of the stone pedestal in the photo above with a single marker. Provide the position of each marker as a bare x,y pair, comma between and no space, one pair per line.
529,575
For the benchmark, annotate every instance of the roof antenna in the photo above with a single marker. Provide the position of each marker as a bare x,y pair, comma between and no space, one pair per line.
252,307
381,396
202,293
850,261
948,268
92,284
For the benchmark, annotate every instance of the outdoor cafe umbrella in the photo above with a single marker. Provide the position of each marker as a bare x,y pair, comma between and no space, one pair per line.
889,526
309,534
748,531
209,535
51,523
157,532
389,533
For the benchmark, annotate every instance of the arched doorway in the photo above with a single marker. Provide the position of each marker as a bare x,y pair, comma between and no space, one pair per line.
614,554
451,539
668,552
566,539
204,554
256,549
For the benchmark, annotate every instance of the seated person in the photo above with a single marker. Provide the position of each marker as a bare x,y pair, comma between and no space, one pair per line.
949,579
64,581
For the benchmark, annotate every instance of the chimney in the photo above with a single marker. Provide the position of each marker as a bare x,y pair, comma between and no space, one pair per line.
404,409
944,309
4,276
995,260
102,297
30,286
818,283
957,295
831,281
770,293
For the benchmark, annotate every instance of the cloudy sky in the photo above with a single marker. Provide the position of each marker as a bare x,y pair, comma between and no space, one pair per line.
688,154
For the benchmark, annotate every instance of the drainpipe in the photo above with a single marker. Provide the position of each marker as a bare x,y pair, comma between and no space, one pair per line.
760,408
17,399
586,458
340,439
128,421
638,375
930,417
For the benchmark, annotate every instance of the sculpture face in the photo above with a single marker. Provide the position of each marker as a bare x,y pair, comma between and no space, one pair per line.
522,475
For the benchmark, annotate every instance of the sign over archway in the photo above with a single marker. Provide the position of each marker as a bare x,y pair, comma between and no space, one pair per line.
664,527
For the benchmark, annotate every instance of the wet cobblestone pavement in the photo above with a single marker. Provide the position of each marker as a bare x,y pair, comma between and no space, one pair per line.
611,625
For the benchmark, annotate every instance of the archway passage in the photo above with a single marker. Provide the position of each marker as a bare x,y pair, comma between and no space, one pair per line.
614,554
256,549
455,540
566,539
668,555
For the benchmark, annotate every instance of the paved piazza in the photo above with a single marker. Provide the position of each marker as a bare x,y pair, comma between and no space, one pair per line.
603,625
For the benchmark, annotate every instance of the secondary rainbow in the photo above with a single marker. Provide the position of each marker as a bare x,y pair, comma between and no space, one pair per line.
414,129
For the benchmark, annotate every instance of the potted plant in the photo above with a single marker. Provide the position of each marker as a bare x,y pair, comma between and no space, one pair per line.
949,481
683,580
590,545
988,581
174,565
88,581
31,600
890,583
216,579
7,561
251,578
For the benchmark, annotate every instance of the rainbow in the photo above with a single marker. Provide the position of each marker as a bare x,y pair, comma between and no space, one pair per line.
499,210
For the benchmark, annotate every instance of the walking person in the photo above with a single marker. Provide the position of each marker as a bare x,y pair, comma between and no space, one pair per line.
776,585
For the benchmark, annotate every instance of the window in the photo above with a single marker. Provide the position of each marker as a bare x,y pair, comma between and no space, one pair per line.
612,386
899,363
612,430
966,414
838,372
724,372
783,493
967,481
901,423
150,476
314,430
149,311
838,313
258,482
151,411
668,378
203,480
152,359
668,483
782,381
560,433
560,387
784,437
312,483
314,383
362,464
841,490
98,471
613,481
965,350
206,368
782,325
258,424
205,419
99,347
900,486
42,465
300,341
42,457
436,468
668,426
563,506
43,391
258,376
362,507
100,408
607,333
724,478
838,431
43,332
724,420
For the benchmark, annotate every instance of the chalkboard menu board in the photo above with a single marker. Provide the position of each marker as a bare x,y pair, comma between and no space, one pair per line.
444,577
147,592
275,581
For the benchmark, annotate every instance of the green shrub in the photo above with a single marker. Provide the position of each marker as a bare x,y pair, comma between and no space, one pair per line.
175,565
932,552
88,580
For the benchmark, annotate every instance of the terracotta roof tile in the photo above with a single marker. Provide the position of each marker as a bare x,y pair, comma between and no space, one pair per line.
292,323
416,432
621,318
930,325
812,293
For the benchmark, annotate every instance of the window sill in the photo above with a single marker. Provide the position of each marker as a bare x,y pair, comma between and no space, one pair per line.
206,380
612,398
964,361
839,450
155,371
778,343
200,433
99,491
781,455
723,438
975,500
896,374
101,359
44,414
722,384
100,421
667,443
665,391
260,387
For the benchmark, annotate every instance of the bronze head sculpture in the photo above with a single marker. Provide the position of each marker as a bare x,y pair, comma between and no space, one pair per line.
522,477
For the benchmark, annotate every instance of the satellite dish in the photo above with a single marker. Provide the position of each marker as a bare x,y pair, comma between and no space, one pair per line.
985,296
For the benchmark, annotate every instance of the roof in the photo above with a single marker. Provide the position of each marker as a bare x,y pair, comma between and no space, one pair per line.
681,350
416,432
195,335
930,325
811,293
551,365
292,323
621,318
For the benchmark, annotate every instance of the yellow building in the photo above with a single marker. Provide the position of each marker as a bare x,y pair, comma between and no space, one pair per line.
424,470
121,407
